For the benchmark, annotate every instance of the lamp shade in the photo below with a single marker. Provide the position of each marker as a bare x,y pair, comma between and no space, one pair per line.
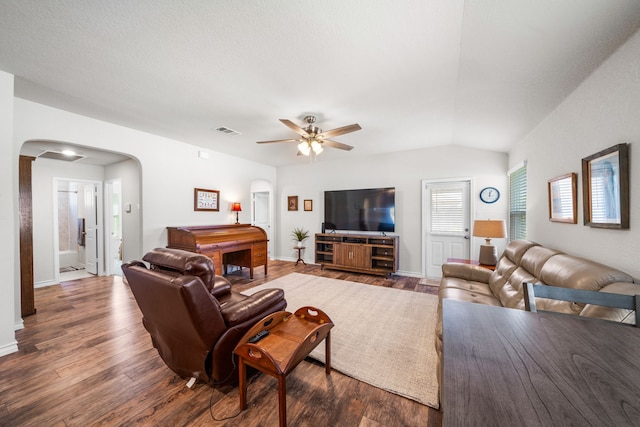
235,207
489,229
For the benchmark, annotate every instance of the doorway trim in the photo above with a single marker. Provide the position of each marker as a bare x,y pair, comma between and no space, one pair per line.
100,220
261,186
425,210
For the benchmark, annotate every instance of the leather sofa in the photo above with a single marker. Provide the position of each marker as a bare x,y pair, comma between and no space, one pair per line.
526,261
193,316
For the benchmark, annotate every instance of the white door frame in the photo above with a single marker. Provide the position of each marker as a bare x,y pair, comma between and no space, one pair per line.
56,239
108,204
264,186
425,209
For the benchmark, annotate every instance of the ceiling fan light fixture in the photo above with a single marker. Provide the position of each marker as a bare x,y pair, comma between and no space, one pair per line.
304,148
311,140
316,147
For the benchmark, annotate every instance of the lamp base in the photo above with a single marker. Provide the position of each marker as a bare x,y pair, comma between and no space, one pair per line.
488,255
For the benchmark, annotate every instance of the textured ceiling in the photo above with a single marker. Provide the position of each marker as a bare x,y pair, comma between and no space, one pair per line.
412,73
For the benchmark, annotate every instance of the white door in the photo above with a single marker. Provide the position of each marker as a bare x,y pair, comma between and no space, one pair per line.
261,215
446,223
91,228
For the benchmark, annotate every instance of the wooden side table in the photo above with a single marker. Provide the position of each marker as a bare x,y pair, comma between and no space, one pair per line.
291,338
300,248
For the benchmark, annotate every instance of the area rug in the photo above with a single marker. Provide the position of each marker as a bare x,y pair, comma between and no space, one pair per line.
382,336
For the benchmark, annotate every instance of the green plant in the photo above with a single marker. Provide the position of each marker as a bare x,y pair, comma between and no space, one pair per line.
300,234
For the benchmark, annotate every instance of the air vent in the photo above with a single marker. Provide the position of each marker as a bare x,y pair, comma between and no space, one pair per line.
59,156
227,131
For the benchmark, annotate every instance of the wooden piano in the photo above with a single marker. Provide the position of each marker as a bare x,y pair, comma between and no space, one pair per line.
243,245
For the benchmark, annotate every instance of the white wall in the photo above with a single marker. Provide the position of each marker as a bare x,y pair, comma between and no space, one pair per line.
43,173
9,223
603,111
404,171
129,174
170,169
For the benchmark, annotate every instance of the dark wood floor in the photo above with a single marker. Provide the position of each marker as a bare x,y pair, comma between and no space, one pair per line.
85,359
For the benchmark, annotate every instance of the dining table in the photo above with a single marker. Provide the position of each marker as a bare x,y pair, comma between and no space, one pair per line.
510,367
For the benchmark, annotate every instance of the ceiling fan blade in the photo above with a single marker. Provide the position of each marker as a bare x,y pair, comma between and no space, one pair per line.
336,144
340,131
277,140
294,127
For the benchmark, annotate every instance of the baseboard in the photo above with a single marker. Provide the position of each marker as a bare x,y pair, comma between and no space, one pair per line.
9,348
18,325
408,273
44,284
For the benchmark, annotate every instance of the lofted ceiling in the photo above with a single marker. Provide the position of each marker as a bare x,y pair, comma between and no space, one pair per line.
412,73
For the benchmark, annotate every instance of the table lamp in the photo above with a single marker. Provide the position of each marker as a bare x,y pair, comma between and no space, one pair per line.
235,207
489,229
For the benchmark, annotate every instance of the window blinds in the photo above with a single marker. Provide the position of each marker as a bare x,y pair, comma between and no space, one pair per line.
518,204
447,210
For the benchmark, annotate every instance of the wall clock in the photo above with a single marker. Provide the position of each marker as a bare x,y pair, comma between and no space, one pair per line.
489,194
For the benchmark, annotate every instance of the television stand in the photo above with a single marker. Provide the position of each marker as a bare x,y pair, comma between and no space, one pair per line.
360,253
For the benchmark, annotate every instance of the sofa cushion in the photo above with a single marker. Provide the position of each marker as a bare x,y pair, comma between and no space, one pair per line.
579,273
615,314
467,290
531,262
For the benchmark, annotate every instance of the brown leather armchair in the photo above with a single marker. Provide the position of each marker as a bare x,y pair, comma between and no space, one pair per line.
194,318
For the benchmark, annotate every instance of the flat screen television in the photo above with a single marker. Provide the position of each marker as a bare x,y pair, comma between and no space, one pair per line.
370,209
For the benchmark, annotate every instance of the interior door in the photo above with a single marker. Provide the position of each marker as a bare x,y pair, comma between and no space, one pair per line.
91,228
447,224
261,215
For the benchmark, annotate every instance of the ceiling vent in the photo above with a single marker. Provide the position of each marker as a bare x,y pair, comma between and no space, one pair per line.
59,156
227,131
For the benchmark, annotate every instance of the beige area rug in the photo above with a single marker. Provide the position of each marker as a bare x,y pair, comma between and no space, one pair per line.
382,336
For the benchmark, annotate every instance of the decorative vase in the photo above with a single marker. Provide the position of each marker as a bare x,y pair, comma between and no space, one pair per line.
299,243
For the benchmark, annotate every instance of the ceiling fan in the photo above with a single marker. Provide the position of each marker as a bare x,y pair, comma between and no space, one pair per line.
312,139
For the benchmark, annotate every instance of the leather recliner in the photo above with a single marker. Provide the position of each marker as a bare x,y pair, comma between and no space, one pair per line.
194,318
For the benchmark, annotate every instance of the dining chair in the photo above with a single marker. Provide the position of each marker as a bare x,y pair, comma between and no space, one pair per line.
533,290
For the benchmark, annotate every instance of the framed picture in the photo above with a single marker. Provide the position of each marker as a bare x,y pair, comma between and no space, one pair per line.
308,205
292,203
206,200
562,198
605,186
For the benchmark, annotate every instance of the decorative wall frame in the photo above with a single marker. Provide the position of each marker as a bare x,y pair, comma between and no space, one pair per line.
308,205
562,198
206,200
292,203
605,187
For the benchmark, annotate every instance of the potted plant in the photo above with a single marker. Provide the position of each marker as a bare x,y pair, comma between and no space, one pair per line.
299,234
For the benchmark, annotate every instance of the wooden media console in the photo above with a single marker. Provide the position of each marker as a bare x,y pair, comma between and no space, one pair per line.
360,253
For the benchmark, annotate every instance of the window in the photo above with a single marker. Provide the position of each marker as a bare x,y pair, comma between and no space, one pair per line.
518,202
447,213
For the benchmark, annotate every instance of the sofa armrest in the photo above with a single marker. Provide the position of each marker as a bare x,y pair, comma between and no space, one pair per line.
470,272
221,286
239,311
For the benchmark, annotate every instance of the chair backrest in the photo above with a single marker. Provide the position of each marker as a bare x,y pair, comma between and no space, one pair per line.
627,302
177,262
183,319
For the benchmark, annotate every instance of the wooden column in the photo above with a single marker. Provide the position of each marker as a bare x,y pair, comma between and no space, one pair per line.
27,301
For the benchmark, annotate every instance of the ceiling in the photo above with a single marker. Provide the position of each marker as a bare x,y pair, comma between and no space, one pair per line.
412,73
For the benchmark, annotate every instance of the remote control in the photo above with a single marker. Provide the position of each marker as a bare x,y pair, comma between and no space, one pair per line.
257,337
